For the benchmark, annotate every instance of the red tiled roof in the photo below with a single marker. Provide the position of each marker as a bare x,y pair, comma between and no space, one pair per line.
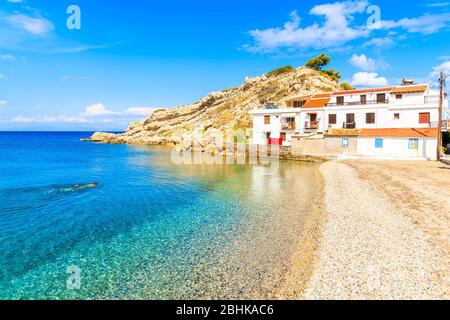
316,103
400,132
358,91
311,96
405,89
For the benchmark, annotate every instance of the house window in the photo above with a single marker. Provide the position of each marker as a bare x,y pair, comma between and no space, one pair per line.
381,98
290,120
299,104
413,144
345,143
350,121
266,119
396,116
424,117
332,119
370,118
363,99
339,101
378,143
399,96
283,136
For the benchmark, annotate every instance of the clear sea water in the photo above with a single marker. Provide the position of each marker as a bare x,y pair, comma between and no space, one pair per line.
151,230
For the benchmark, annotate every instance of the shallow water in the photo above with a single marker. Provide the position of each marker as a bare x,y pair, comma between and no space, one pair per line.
151,230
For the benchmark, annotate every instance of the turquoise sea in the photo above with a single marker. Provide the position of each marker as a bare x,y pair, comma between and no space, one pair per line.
150,230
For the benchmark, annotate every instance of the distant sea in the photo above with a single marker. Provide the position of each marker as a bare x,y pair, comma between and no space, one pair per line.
150,230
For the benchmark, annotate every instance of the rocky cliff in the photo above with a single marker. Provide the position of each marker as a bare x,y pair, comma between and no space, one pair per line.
223,110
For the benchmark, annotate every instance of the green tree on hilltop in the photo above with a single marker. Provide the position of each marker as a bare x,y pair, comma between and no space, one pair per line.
318,62
346,86
321,61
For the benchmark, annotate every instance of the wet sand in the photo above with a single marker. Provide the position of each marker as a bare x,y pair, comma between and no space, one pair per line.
386,235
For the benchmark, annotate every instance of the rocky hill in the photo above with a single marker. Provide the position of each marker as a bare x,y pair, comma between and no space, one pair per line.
223,110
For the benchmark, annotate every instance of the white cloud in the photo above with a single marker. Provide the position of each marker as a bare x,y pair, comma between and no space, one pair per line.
30,32
3,103
333,32
139,111
368,79
438,4
443,67
7,57
67,78
49,119
93,115
338,28
2,77
363,62
379,42
426,24
96,110
37,26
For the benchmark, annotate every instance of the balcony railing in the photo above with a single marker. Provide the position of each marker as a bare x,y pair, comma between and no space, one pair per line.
431,99
311,125
349,125
357,103
288,126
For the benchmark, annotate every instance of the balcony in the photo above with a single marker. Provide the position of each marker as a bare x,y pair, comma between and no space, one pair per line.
349,125
431,99
311,125
288,126
357,103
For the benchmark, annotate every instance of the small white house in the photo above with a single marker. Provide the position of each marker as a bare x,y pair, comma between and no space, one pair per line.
407,144
409,107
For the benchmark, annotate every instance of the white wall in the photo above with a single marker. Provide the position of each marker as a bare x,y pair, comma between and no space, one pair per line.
357,97
260,129
384,116
397,148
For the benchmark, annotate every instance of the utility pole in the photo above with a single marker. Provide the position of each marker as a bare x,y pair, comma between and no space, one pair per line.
441,103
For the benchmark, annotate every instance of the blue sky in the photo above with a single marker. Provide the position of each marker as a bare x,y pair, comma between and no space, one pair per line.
132,56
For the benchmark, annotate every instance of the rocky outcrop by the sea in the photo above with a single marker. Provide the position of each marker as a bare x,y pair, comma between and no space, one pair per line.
220,111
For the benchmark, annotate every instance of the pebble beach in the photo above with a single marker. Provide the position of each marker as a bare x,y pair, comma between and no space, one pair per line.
386,232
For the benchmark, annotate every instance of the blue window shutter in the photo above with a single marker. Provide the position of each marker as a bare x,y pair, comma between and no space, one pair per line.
378,143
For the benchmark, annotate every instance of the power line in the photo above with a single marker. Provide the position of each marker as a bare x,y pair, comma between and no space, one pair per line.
441,104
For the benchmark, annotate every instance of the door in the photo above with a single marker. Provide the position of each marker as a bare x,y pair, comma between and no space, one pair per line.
268,137
381,98
283,136
313,121
424,118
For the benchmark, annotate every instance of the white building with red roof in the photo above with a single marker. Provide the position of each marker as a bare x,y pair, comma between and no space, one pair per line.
389,122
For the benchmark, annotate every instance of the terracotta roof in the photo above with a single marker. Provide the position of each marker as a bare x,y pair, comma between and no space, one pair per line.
316,103
373,90
322,95
310,96
418,88
343,132
400,132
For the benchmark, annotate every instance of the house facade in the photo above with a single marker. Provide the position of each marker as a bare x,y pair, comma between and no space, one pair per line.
400,117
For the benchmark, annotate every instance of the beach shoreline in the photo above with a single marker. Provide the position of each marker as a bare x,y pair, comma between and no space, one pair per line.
386,231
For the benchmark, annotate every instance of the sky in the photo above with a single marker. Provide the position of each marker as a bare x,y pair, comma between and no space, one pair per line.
128,58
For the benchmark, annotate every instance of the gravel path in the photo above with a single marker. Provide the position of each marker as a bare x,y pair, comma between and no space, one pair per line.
370,249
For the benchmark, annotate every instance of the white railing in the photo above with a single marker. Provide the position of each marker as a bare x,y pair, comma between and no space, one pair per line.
431,99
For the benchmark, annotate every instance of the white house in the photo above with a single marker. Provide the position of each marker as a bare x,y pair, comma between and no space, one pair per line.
402,107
